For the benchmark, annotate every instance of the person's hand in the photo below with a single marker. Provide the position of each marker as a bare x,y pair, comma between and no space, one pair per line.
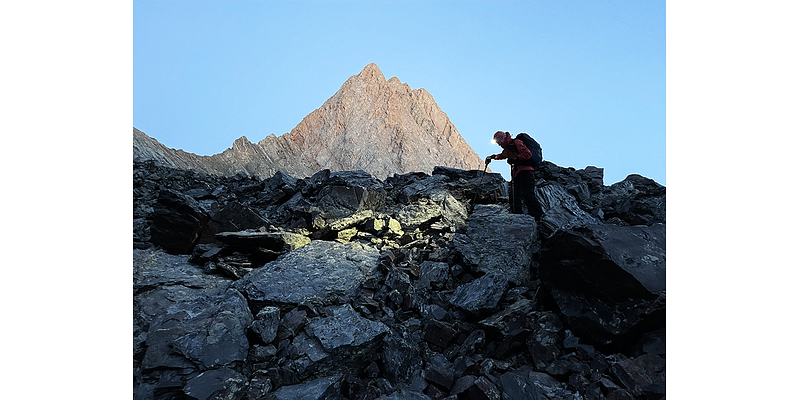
488,159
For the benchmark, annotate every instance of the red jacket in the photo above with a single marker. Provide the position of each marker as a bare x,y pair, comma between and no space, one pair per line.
518,150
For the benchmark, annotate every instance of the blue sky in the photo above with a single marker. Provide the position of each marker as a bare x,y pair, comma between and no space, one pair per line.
587,79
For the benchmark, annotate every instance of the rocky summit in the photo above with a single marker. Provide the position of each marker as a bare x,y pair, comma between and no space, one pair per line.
370,124
342,285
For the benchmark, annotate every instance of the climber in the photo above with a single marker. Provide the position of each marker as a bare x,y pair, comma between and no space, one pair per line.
522,159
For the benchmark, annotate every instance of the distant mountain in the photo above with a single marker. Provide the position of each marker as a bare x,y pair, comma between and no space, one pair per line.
379,126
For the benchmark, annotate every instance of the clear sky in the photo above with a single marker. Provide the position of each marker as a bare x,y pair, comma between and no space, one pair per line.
587,79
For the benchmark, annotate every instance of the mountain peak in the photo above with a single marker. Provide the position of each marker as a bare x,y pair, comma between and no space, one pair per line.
371,72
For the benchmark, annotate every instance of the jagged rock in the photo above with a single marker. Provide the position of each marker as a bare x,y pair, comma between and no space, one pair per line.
512,321
482,294
230,216
253,240
434,272
561,210
400,357
176,222
325,388
266,323
223,383
319,272
607,280
482,389
439,333
348,192
278,189
206,329
343,342
498,242
644,375
636,200
524,384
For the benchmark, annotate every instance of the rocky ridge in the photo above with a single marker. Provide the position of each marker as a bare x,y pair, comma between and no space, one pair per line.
379,126
344,286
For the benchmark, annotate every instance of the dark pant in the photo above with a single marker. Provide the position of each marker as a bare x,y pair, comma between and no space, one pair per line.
523,186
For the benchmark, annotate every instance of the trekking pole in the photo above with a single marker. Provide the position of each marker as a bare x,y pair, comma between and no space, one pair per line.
474,198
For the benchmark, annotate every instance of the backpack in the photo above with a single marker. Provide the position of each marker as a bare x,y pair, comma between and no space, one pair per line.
536,151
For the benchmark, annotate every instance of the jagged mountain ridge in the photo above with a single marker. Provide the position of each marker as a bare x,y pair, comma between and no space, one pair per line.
371,124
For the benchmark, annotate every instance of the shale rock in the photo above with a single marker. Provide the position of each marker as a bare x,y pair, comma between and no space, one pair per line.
498,242
223,383
482,294
607,280
561,210
320,272
176,222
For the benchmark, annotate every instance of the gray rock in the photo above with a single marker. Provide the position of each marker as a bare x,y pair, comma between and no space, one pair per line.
607,280
400,357
348,192
511,321
482,294
208,330
498,242
275,241
176,222
318,389
561,210
435,272
223,383
345,328
318,273
266,323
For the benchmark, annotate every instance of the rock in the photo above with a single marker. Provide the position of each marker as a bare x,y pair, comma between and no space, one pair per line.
207,330
434,272
176,222
223,383
348,192
512,321
345,328
607,280
561,210
439,333
346,342
323,388
636,200
319,272
520,385
498,242
266,323
400,358
230,216
252,240
482,294
482,389
644,375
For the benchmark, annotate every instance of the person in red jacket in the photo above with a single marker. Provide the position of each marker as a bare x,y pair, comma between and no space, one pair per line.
522,178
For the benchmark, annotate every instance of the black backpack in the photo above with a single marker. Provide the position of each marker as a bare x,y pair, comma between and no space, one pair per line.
536,151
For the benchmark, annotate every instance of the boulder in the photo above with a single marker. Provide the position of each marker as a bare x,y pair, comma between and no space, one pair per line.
324,388
320,272
400,356
252,240
176,222
266,323
347,192
607,280
498,242
561,210
482,294
343,342
222,383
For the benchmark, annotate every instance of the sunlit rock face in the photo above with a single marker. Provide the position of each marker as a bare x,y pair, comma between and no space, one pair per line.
370,124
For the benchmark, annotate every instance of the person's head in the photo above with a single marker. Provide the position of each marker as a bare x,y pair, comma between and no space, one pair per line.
502,138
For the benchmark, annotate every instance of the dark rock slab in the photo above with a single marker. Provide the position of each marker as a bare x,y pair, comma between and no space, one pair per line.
325,388
642,376
222,383
252,240
266,323
511,321
400,357
176,222
347,192
319,273
482,294
435,272
607,280
498,242
561,210
482,389
343,342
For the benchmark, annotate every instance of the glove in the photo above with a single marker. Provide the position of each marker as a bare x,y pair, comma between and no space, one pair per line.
489,159
512,161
